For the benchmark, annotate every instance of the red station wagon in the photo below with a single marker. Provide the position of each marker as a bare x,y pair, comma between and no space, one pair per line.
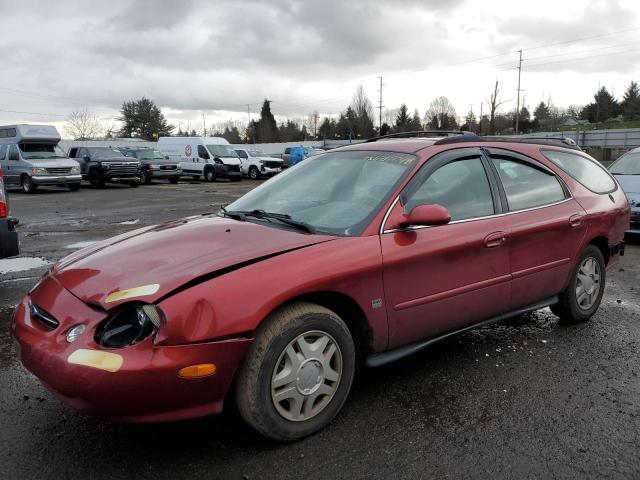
364,254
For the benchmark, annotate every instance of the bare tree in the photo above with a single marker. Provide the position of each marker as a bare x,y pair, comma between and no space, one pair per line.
441,115
363,109
314,118
494,105
83,125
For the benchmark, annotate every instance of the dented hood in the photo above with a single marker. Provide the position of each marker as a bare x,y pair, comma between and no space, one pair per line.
149,263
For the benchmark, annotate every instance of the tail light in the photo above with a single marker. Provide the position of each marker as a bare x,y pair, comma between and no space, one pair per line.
4,209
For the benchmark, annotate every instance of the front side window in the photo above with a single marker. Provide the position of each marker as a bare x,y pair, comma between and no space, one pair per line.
241,153
527,186
462,187
202,152
584,169
338,194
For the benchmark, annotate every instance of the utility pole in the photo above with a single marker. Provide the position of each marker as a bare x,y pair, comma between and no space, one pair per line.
518,102
204,125
380,105
480,121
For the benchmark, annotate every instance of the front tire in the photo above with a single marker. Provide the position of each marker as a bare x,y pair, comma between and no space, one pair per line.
209,175
27,184
297,373
173,180
96,179
145,178
582,297
254,173
74,187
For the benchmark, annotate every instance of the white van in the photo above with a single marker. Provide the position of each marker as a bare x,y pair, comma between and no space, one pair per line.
210,157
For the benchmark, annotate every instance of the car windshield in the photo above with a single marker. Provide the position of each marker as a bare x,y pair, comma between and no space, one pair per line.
105,152
628,164
222,151
338,193
149,154
40,150
256,153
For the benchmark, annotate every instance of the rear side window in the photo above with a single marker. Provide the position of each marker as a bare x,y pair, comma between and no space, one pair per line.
527,186
583,169
462,187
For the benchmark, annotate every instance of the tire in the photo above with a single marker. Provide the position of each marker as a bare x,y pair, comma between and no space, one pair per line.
95,178
254,173
134,184
573,307
27,184
145,178
236,179
195,177
74,187
173,180
327,388
209,174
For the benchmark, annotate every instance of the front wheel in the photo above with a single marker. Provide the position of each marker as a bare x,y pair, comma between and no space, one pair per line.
133,184
581,299
145,177
173,180
74,187
210,175
27,184
254,173
298,372
95,178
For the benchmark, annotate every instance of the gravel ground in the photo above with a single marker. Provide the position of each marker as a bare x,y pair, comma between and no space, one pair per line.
524,398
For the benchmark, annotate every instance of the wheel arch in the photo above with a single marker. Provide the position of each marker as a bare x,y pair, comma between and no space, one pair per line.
348,310
602,243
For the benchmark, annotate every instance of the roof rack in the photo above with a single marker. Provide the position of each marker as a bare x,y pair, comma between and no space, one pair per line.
563,142
423,133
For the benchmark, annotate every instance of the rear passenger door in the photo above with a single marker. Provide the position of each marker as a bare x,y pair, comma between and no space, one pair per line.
13,165
546,226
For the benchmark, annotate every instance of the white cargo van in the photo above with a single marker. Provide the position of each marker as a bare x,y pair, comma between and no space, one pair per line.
210,157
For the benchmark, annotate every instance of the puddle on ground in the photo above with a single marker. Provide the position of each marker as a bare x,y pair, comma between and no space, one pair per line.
21,264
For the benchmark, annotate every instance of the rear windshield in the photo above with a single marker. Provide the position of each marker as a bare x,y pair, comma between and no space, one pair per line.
584,169
628,164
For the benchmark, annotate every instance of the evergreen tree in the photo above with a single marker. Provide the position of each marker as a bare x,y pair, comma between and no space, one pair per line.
542,113
603,107
402,120
327,128
143,119
630,105
266,130
415,124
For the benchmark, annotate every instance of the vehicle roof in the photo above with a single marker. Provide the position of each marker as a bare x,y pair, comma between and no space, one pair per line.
196,140
23,131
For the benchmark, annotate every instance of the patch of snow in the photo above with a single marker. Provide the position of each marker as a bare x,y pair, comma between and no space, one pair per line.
129,222
78,245
20,264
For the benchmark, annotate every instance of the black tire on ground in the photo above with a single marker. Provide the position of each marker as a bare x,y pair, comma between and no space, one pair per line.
95,178
568,308
254,173
253,388
145,178
173,180
134,184
74,187
209,174
236,179
195,177
27,184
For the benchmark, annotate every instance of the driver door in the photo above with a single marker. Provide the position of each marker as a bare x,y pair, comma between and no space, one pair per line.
442,278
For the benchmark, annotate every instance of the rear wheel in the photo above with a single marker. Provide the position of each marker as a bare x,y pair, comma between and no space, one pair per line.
298,372
95,178
74,187
27,184
581,299
209,174
254,173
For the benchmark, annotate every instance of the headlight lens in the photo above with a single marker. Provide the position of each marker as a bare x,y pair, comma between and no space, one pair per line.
38,170
75,169
129,325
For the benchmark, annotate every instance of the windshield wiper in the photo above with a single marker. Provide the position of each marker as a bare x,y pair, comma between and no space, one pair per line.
262,214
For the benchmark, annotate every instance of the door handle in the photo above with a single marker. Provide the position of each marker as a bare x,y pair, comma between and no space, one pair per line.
575,220
495,239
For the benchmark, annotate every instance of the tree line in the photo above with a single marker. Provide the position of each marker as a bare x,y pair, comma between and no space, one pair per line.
143,119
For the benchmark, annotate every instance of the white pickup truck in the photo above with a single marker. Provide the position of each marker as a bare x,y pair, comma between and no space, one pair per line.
255,164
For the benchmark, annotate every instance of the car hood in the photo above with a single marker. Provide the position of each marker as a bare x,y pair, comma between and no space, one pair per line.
149,263
268,159
629,183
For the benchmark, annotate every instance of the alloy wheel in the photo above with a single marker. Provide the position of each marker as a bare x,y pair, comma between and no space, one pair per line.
588,282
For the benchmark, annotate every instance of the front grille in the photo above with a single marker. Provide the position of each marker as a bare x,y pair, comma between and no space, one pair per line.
43,317
59,171
269,164
168,167
232,168
116,169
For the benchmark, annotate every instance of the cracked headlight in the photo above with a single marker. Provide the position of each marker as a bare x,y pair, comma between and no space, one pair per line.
129,325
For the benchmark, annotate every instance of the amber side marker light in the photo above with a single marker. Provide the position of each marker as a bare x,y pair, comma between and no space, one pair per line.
197,371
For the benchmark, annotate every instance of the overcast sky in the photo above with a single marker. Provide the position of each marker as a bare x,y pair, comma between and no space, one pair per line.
214,57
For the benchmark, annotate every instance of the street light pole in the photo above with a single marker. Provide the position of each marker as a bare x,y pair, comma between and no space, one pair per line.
518,102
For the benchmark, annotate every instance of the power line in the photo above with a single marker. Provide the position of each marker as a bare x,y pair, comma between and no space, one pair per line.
34,113
583,58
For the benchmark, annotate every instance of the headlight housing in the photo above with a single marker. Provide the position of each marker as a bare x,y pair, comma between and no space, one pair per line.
129,325
75,169
38,170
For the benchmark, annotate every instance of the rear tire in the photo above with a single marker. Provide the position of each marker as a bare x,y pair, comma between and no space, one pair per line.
74,187
27,184
297,373
582,297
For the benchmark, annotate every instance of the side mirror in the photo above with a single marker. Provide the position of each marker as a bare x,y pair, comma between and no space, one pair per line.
166,157
86,158
423,215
